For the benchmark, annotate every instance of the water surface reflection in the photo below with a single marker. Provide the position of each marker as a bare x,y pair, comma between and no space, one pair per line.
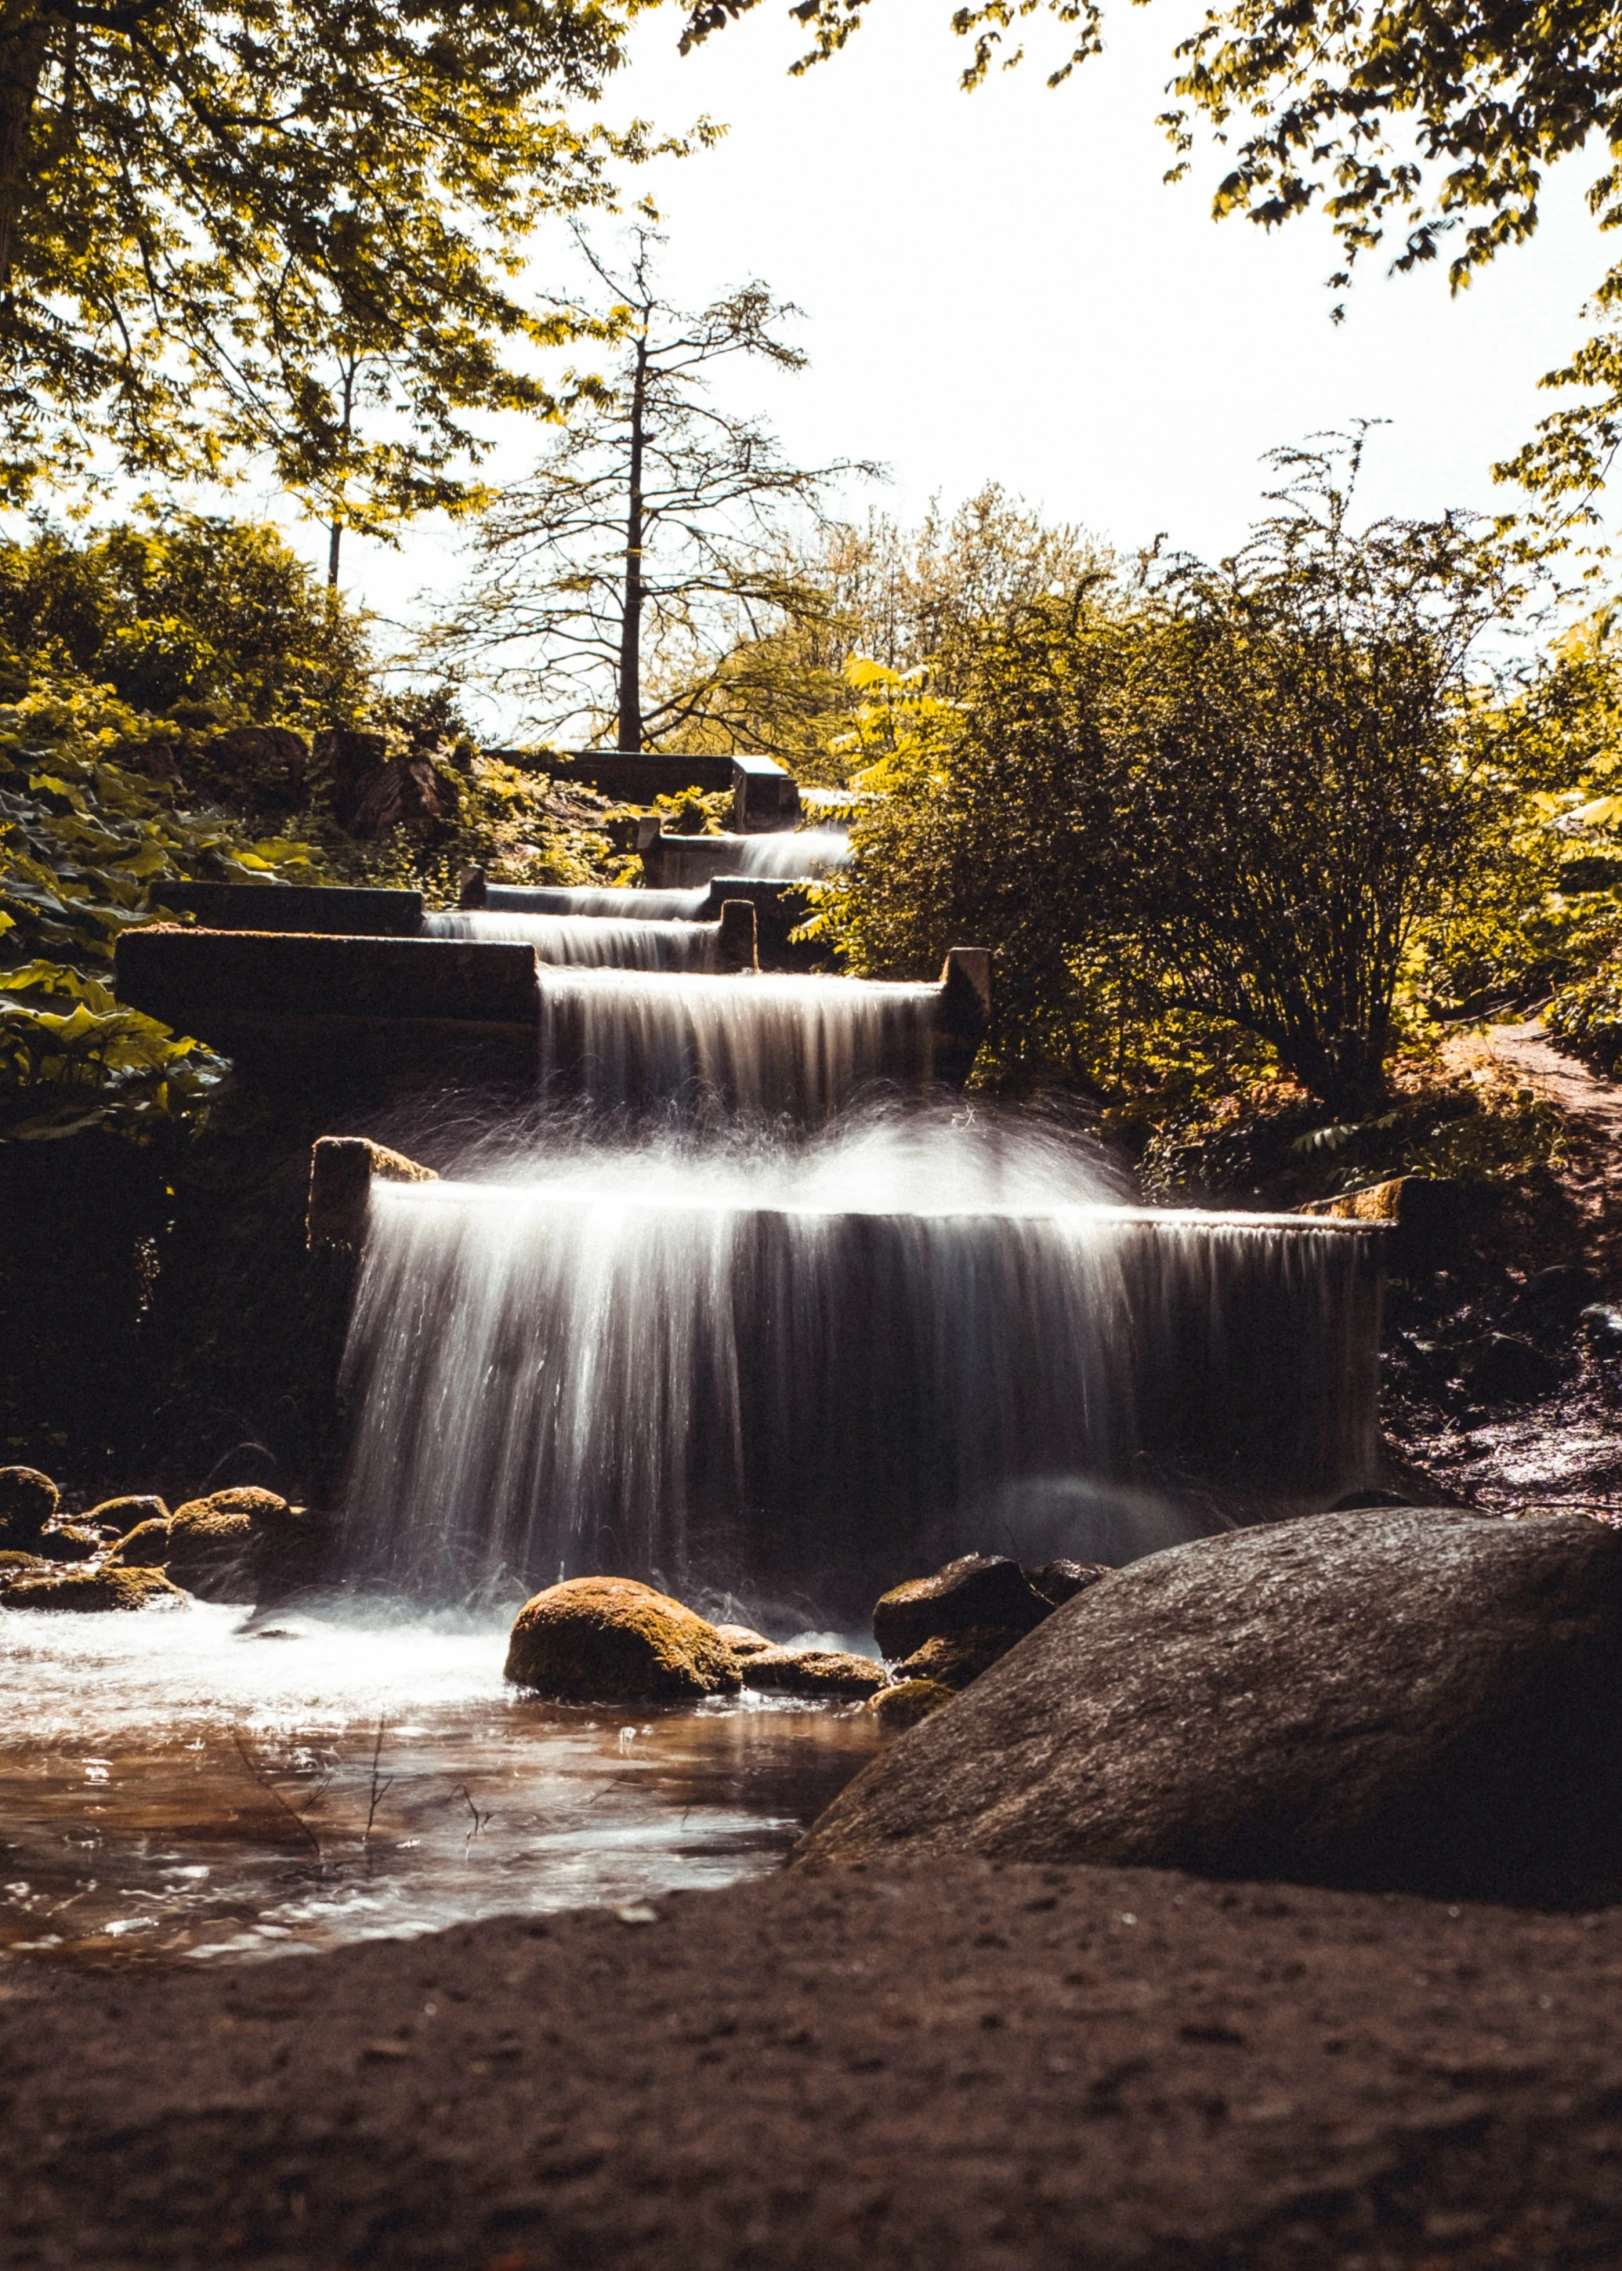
196,1783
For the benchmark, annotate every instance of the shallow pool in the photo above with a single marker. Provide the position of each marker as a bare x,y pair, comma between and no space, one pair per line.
201,1783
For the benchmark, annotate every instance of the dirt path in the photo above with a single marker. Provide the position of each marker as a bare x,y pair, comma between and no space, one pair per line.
967,2069
1591,1109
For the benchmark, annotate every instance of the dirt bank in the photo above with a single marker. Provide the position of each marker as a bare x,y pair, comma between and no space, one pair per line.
975,2067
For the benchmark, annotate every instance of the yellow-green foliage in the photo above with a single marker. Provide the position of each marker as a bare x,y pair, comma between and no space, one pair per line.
83,840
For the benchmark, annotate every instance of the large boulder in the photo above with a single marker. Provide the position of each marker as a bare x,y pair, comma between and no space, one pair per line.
28,1500
977,1589
1393,1699
611,1640
92,1590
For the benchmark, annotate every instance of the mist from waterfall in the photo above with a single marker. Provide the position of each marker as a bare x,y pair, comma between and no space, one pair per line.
826,1364
591,941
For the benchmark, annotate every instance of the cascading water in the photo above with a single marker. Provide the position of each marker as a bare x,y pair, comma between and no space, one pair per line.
763,1045
821,1368
618,906
597,941
794,853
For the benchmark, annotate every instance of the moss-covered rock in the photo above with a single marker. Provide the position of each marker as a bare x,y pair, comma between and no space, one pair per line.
827,1672
14,1565
903,1705
236,1545
953,1659
28,1500
743,1639
93,1590
125,1514
611,1640
145,1547
71,1541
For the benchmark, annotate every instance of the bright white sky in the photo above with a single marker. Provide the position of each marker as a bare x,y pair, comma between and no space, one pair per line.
999,286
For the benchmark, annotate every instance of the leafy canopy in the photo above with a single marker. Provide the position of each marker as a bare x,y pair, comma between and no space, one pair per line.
210,209
1420,128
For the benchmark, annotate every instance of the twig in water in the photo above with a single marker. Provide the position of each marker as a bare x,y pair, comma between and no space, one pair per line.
262,1778
382,1784
480,1821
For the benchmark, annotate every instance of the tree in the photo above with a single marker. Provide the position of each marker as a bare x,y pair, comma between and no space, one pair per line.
198,198
653,530
190,612
1429,125
876,592
1238,791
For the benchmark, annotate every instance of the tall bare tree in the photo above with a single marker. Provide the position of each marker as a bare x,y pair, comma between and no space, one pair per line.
654,532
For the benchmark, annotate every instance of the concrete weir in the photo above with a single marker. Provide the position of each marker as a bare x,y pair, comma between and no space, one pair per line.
620,1366
404,1011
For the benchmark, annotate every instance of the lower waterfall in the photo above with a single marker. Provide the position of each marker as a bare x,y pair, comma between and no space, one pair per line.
827,1369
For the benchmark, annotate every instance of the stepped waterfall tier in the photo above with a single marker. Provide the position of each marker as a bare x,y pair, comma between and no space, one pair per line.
597,939
800,1047
823,1369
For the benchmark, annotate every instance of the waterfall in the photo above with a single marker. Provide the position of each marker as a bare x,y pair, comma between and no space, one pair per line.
794,853
621,906
758,1044
590,940
830,1370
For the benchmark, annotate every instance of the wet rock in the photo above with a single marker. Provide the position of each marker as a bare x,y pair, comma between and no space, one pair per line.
28,1500
71,1541
742,1639
126,1514
977,1589
1601,1327
235,1544
611,1640
827,1672
1404,1699
903,1705
1502,1369
14,1565
1060,1581
92,1590
144,1547
1550,1302
953,1659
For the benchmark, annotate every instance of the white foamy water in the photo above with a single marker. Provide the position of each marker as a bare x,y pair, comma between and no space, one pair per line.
829,1366
599,941
756,1043
793,853
621,906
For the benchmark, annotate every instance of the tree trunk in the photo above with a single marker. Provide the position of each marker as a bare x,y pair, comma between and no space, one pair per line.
335,537
630,684
24,37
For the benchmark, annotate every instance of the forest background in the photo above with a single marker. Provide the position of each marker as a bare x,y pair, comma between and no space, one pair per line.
1251,836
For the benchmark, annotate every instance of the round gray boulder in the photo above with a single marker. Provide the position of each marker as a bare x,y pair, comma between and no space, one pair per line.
1389,1699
